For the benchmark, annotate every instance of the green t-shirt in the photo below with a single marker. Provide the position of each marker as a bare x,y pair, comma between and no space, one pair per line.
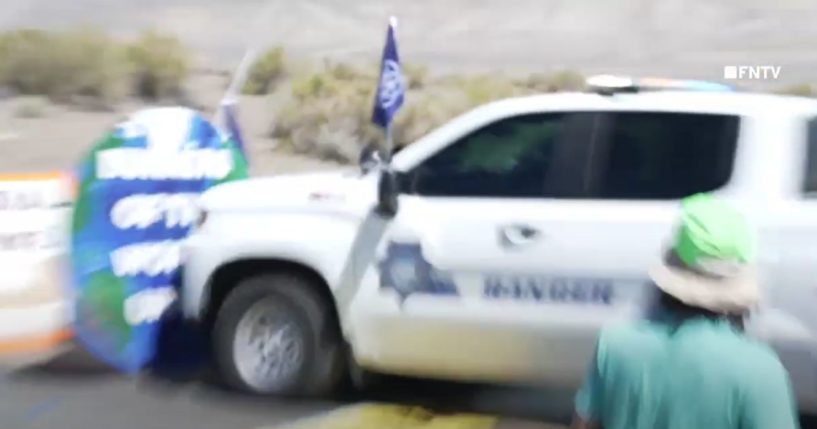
698,374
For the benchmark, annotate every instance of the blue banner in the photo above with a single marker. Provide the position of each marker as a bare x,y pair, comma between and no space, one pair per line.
392,87
137,200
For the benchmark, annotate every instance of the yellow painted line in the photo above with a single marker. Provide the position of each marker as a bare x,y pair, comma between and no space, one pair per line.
386,416
36,343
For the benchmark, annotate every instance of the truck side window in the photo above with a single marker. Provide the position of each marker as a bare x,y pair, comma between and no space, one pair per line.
508,158
655,155
810,183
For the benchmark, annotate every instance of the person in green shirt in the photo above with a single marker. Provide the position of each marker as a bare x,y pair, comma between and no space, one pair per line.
689,365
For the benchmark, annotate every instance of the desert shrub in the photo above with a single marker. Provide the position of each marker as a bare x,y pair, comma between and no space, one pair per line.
85,64
565,80
328,114
341,71
426,110
416,75
26,62
480,89
63,65
98,64
440,101
312,86
265,72
160,63
801,90
31,107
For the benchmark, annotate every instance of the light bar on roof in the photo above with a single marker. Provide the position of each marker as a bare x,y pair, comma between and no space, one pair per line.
609,81
682,84
610,84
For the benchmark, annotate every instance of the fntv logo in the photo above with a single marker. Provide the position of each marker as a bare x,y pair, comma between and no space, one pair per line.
751,72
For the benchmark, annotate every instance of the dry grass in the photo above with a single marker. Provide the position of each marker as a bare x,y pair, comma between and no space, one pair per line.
416,75
328,112
266,72
84,63
161,64
801,90
65,65
564,80
31,107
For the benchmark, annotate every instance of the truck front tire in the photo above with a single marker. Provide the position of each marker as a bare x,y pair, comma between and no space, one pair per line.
275,335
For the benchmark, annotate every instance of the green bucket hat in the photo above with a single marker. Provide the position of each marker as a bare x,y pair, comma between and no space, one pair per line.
711,263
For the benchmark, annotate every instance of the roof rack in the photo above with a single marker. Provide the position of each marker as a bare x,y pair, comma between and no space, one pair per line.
612,84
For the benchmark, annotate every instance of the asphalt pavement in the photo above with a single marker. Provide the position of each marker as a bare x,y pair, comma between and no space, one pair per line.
69,391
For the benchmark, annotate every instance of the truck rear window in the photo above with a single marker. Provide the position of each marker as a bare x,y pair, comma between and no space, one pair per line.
810,182
656,155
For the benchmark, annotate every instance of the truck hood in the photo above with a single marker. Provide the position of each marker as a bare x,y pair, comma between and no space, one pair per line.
337,190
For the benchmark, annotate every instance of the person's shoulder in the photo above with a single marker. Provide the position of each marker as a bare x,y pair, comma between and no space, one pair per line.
754,354
629,335
629,330
760,376
742,360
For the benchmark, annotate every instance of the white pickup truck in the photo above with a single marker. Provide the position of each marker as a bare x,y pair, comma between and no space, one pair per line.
494,248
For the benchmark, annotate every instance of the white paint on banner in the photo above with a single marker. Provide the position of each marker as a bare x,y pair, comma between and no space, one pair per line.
151,259
149,305
145,210
148,164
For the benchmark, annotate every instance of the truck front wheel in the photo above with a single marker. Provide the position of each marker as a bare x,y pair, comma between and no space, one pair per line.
274,334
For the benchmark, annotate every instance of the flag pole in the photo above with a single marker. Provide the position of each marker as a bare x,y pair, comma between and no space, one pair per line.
240,76
242,71
389,135
389,144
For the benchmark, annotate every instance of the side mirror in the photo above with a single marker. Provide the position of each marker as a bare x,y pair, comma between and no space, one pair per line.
387,192
370,158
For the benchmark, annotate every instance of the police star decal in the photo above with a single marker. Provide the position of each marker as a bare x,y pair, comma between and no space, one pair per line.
406,271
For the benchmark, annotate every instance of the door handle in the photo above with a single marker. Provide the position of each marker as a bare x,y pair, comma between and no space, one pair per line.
516,235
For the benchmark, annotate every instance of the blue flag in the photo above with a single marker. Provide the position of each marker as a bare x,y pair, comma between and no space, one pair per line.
391,88
231,123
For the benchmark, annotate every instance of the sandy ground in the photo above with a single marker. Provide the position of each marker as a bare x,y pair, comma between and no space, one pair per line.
686,38
59,136
679,38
